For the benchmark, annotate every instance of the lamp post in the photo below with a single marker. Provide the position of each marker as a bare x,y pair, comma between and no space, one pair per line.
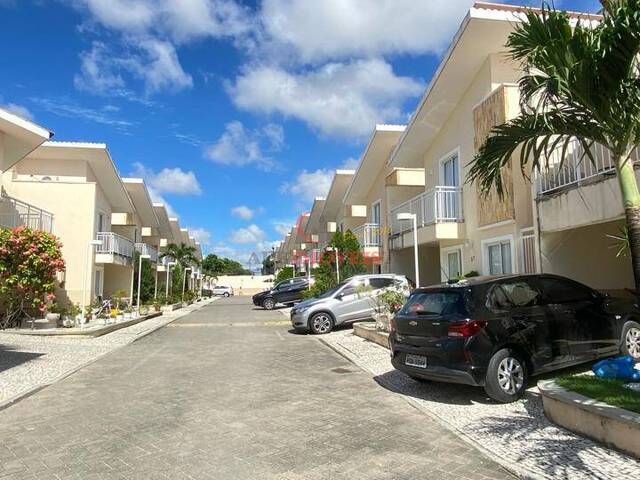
414,219
335,249
90,246
184,279
166,287
140,258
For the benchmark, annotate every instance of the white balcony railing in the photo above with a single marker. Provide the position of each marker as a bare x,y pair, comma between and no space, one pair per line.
576,167
145,249
14,213
368,235
440,204
114,244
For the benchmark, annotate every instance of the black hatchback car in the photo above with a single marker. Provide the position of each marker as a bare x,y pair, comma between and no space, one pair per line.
287,291
496,332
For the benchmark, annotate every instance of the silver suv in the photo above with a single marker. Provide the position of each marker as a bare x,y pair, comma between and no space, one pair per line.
348,302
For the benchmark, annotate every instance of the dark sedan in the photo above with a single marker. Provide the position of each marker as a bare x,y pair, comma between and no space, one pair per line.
288,291
496,332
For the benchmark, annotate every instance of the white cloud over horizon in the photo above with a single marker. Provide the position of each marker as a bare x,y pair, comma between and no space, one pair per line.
338,99
241,146
18,110
168,180
246,235
309,184
243,212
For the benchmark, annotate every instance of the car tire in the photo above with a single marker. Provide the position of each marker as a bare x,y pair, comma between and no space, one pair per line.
226,294
321,323
507,376
268,304
631,340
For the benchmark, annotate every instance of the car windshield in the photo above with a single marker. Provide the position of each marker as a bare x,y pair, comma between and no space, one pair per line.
332,291
434,303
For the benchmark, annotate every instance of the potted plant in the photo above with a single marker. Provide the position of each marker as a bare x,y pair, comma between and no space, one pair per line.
388,304
128,312
72,315
54,313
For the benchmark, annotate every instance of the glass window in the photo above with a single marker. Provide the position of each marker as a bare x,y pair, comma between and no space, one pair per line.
375,213
515,294
435,303
558,290
499,258
454,268
353,287
450,171
377,283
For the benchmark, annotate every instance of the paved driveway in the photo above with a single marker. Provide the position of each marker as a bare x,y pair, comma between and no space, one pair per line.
228,393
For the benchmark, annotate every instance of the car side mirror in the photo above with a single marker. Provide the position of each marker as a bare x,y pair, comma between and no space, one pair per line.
339,296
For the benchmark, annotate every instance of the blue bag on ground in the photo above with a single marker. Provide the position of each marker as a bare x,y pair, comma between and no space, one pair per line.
621,368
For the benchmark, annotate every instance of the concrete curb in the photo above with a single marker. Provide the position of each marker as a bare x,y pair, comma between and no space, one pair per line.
36,388
511,467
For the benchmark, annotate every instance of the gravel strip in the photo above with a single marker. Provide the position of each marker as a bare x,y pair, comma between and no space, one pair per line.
517,435
29,362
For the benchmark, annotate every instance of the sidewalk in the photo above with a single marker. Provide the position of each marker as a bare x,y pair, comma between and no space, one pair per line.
516,435
29,363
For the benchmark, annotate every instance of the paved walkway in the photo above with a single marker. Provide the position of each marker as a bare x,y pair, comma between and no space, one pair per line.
228,393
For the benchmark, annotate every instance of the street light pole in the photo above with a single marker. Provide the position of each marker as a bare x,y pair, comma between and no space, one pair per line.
166,287
414,220
140,278
90,246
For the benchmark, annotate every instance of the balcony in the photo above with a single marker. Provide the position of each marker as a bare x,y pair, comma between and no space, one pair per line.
115,249
145,249
369,238
581,191
577,167
438,205
14,213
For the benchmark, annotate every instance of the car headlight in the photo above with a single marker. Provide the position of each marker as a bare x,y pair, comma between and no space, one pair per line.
302,309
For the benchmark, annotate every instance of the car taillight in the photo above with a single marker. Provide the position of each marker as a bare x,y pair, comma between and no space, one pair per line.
468,328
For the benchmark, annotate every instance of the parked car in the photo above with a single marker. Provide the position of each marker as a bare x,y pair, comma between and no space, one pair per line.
222,291
496,332
287,291
348,302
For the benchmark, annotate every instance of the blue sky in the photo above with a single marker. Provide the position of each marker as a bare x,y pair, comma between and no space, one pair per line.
234,112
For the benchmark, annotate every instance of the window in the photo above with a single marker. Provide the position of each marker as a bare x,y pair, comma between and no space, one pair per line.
454,267
97,289
514,294
557,290
100,222
450,175
498,257
375,212
353,287
377,283
435,303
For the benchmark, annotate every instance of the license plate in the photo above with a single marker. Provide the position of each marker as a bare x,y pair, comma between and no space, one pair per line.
415,361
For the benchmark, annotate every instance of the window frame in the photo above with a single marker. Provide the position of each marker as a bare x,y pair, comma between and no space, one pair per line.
486,243
444,260
444,159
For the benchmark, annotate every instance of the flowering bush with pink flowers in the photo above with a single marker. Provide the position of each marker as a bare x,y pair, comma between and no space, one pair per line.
29,262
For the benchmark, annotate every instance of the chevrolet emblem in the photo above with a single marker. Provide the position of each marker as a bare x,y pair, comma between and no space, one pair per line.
413,323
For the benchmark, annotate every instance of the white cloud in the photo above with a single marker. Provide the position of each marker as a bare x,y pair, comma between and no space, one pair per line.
338,99
154,62
350,164
309,185
282,227
251,234
67,108
202,235
19,110
244,212
169,180
241,146
333,29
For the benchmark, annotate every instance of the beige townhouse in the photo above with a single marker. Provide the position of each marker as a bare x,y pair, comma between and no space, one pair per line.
458,231
19,137
162,238
365,200
315,232
95,217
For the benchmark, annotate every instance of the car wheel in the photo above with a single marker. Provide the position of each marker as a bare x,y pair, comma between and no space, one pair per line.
631,340
226,294
321,323
269,304
507,376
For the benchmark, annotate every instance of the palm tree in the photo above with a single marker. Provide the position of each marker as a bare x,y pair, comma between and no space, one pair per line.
581,83
183,254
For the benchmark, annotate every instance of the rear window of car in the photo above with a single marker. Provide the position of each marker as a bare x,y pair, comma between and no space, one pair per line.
440,303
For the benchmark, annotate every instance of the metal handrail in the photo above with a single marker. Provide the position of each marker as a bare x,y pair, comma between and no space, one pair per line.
368,235
577,166
146,249
438,205
16,213
114,244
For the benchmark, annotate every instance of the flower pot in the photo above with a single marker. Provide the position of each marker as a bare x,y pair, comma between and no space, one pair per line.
68,322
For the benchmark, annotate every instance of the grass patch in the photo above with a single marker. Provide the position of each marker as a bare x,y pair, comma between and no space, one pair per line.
602,389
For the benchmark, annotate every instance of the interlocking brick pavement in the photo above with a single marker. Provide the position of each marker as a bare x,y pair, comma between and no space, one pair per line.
232,402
